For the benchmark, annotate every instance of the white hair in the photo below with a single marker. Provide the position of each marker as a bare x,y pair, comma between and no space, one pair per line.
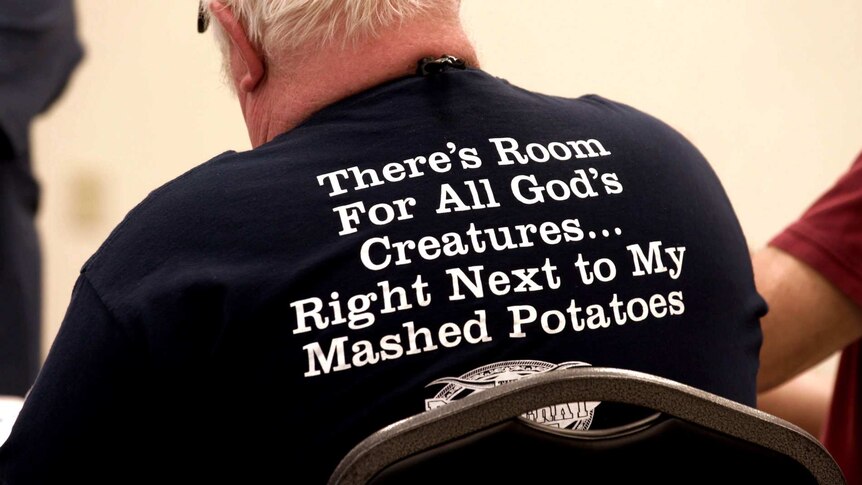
278,26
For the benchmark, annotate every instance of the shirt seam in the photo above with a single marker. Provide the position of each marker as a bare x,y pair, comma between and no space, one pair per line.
85,279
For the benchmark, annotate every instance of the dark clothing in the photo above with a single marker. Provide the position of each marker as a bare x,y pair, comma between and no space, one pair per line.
19,280
38,50
400,249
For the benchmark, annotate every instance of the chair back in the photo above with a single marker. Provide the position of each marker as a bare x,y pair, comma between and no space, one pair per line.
692,437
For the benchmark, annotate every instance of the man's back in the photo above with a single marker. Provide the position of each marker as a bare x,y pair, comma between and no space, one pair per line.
402,248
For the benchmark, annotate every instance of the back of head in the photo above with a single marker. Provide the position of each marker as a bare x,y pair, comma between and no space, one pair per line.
321,51
277,26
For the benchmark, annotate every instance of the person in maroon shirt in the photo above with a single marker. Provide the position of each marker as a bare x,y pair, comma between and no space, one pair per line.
811,277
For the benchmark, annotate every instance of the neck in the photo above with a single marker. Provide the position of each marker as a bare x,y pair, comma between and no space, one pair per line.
286,97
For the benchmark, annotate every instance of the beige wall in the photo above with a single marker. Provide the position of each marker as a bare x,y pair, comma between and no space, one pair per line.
770,90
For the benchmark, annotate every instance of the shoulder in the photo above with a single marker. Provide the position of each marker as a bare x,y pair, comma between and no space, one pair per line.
178,225
219,213
629,125
162,213
641,124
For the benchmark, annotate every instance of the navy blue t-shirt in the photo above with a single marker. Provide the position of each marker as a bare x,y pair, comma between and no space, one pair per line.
402,248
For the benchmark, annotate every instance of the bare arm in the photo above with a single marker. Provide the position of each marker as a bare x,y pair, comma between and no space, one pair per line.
808,317
804,401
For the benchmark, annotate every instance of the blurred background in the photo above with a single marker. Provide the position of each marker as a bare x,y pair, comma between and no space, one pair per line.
769,90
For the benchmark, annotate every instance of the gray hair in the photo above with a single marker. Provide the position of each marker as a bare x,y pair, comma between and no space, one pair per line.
278,26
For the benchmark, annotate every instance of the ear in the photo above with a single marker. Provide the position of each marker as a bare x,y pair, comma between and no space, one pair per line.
253,64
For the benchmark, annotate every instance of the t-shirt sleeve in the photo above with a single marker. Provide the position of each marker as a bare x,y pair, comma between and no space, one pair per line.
80,413
828,237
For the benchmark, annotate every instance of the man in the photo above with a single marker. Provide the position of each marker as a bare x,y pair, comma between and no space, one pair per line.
811,276
401,235
38,51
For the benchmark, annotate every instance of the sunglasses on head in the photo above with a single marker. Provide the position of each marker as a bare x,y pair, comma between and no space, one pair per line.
203,17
